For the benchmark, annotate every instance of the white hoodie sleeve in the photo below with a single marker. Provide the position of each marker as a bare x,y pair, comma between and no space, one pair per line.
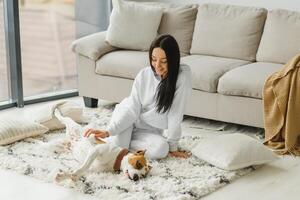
175,115
126,112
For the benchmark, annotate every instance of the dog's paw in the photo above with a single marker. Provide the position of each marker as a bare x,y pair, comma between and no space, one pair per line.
67,145
74,177
61,176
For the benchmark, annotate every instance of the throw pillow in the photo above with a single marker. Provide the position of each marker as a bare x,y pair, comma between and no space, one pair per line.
179,21
46,117
12,130
233,151
133,26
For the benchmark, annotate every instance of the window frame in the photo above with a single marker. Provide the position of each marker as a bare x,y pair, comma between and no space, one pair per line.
14,63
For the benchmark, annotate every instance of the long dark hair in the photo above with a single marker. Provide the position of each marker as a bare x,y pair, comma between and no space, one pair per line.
166,89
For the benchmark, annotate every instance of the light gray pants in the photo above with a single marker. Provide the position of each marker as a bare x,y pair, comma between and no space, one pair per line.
141,136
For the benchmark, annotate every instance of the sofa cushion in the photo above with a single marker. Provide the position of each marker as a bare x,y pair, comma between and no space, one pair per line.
206,70
228,31
247,80
132,25
179,21
281,38
123,63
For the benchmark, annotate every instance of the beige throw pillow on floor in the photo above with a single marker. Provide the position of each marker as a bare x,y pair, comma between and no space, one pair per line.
14,129
133,26
233,151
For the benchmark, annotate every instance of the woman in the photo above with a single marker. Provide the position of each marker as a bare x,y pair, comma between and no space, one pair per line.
156,103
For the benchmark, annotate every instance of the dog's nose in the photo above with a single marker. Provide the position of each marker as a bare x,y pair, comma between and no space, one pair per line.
135,177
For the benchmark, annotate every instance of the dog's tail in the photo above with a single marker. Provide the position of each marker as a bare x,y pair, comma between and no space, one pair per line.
63,119
73,130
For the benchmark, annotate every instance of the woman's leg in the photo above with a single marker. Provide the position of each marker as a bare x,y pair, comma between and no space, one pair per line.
156,145
123,138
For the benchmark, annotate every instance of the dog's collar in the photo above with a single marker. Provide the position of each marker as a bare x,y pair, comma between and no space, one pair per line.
119,159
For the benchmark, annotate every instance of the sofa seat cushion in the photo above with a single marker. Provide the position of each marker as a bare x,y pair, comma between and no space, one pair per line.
247,80
123,63
280,41
206,70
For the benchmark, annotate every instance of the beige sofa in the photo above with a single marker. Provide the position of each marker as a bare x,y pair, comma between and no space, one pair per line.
230,49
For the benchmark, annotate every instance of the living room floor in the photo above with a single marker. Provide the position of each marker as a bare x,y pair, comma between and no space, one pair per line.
277,180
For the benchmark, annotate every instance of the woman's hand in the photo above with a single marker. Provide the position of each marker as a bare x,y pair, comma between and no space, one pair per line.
180,154
96,133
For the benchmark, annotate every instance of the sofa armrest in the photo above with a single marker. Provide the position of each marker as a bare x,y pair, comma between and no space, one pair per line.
92,46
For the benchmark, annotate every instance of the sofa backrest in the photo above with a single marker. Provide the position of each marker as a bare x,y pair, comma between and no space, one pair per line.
220,30
274,4
281,37
228,31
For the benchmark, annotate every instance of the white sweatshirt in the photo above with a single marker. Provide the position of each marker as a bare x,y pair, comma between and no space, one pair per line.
141,105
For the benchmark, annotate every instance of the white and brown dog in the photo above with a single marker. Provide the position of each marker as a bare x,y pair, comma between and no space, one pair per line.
97,153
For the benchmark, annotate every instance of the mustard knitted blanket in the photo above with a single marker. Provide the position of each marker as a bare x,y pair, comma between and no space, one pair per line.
281,99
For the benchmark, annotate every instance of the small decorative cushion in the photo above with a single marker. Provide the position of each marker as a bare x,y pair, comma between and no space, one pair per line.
133,26
233,151
12,130
179,21
46,117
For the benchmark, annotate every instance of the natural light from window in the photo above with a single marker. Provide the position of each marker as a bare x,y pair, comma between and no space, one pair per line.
3,66
47,28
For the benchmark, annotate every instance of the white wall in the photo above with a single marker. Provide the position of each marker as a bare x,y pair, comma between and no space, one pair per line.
269,4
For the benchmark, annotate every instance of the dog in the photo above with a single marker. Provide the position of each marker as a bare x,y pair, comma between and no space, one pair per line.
102,155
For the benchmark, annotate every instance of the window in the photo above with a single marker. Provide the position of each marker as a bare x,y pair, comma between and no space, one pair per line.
47,29
4,95
36,62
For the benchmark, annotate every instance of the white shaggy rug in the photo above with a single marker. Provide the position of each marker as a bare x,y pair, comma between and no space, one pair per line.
169,178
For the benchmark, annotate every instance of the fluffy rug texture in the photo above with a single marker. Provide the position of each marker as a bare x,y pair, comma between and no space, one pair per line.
169,178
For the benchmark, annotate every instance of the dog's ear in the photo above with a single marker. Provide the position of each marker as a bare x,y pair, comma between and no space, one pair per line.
138,165
140,153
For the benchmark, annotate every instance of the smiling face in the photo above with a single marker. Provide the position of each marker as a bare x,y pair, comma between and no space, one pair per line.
135,165
159,62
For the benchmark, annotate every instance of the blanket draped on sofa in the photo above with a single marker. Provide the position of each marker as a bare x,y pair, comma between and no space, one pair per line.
281,99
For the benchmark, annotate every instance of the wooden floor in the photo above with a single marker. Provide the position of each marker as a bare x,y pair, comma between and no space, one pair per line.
276,181
48,65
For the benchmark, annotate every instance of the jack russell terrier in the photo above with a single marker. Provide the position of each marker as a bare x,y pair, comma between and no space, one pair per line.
104,156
